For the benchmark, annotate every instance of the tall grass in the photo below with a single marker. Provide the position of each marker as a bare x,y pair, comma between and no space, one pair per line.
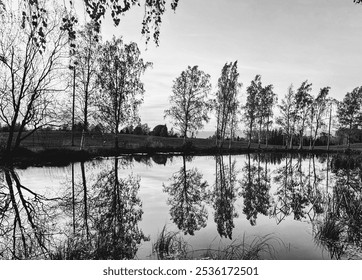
259,247
171,245
329,234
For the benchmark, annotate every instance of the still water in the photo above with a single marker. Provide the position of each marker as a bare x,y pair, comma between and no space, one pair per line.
300,206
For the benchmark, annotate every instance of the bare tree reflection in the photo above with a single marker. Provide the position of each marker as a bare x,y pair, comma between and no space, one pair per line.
224,195
26,219
186,192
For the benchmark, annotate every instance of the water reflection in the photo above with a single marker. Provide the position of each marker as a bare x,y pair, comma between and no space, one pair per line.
224,194
187,194
341,229
255,188
111,211
26,219
99,212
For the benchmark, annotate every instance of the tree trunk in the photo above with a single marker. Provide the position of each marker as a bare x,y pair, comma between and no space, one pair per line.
73,107
85,199
116,140
250,131
267,133
259,136
329,128
73,198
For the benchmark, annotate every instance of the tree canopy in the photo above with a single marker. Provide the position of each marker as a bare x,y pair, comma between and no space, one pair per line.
189,104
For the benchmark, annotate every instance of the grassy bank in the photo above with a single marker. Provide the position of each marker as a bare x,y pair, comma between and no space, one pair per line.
55,148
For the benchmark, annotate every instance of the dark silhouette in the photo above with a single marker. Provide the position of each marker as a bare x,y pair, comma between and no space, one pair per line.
224,195
255,189
187,199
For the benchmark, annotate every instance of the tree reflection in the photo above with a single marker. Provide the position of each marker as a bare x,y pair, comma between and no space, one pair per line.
255,189
111,211
186,197
224,195
116,210
26,219
290,198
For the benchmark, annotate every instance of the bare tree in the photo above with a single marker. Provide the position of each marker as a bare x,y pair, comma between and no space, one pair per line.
30,74
85,57
189,104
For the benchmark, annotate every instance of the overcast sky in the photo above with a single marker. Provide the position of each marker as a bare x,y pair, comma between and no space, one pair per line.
285,41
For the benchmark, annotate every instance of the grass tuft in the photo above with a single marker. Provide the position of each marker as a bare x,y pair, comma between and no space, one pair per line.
329,234
260,247
171,245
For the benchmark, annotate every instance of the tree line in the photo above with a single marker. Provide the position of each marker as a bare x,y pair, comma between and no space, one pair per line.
301,118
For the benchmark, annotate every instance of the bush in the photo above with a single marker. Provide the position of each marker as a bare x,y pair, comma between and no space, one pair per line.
160,130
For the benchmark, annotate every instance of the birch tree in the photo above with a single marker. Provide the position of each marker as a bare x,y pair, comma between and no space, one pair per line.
319,110
266,101
226,102
303,101
120,70
250,108
286,120
189,102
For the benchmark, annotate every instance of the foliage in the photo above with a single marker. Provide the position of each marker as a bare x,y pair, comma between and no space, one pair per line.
34,12
120,70
303,102
318,110
160,130
349,111
250,108
287,117
189,104
226,102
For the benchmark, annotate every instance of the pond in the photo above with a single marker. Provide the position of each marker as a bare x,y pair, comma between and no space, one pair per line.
267,206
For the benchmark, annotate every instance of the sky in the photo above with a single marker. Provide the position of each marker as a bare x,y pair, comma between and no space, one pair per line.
284,41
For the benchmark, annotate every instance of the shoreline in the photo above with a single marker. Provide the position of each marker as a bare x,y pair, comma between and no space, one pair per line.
62,156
